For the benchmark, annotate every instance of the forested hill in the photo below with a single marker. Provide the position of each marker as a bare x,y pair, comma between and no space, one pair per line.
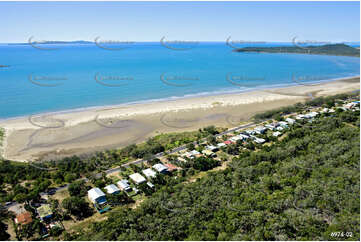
304,187
329,49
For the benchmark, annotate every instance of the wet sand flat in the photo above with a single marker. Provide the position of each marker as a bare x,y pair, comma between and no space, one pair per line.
53,136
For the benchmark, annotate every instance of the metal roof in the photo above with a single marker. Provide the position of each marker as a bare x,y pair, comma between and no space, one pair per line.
112,189
95,193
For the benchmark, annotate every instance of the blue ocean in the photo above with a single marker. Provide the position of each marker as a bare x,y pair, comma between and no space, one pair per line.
72,76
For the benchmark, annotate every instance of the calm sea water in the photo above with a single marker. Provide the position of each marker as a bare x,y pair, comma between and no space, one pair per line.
81,76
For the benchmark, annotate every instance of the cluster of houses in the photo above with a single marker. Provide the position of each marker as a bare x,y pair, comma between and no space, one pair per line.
98,197
43,212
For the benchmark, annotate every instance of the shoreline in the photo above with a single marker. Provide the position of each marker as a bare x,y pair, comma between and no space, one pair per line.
173,98
82,132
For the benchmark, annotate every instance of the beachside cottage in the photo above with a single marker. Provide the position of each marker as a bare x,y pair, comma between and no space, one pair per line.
96,195
290,121
260,129
137,178
23,218
112,189
124,185
149,173
44,212
160,168
276,134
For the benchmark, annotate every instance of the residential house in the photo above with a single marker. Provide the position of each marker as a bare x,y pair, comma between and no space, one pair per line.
276,134
149,173
137,178
124,185
260,129
212,148
290,121
160,168
96,195
112,189
171,167
259,140
208,153
227,142
220,145
150,184
250,132
23,218
44,212
283,124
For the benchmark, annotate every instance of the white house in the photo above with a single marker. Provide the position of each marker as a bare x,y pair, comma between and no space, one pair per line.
235,138
260,129
283,124
290,121
276,134
250,132
243,136
96,195
300,116
124,185
160,168
112,189
280,128
150,184
259,140
137,178
270,126
211,148
220,145
194,152
149,173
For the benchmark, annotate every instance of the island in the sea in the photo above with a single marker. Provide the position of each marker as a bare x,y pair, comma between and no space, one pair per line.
328,49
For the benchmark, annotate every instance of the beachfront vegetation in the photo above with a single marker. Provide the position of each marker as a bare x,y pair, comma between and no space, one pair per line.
303,187
328,49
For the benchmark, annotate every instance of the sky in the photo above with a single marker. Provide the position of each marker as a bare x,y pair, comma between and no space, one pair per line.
197,21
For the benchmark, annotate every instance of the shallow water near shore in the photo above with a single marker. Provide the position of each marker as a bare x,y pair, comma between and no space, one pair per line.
83,76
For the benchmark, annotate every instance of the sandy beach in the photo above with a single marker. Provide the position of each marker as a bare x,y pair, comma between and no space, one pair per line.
53,136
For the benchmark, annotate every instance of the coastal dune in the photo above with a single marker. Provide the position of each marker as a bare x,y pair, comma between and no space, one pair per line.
53,136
